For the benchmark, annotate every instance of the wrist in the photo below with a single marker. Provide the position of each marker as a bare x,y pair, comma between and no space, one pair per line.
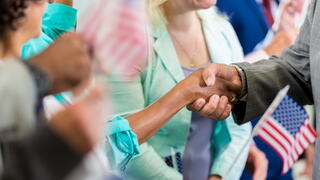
184,93
240,81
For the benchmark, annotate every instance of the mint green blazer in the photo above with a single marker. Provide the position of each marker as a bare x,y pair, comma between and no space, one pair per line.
163,73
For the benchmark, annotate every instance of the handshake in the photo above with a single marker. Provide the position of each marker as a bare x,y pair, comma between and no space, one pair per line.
212,91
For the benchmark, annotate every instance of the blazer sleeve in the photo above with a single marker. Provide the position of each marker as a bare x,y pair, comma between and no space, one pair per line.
265,78
149,165
122,143
127,98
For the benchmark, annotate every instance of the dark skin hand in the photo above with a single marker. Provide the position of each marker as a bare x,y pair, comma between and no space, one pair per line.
66,62
218,108
148,121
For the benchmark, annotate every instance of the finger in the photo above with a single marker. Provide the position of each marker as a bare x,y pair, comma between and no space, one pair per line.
197,105
226,112
211,106
220,108
209,74
261,166
260,172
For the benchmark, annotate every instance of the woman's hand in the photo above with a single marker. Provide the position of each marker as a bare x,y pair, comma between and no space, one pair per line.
194,87
213,100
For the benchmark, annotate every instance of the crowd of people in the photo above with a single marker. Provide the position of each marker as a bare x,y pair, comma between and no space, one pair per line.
184,116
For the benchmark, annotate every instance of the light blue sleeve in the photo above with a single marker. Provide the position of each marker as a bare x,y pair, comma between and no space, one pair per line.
57,19
121,143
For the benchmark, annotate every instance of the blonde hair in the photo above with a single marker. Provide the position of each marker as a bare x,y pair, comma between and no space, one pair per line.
156,12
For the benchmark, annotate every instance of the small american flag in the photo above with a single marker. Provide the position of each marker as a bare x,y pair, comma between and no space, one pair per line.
286,128
117,31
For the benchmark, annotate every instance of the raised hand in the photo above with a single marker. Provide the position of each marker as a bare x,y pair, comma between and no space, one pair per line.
66,62
81,124
219,76
257,163
281,40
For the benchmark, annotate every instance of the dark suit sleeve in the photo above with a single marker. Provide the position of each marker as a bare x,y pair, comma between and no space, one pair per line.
265,78
41,156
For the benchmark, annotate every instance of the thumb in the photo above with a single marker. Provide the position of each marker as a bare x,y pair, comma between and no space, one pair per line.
209,74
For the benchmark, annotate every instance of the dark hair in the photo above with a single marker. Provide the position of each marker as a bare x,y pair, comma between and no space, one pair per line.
11,11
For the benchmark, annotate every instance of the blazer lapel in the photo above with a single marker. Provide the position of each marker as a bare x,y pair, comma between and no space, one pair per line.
217,42
165,49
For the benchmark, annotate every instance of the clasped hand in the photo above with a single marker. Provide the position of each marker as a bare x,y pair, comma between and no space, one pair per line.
213,91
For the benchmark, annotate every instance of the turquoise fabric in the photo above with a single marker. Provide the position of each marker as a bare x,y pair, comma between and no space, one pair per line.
58,19
123,142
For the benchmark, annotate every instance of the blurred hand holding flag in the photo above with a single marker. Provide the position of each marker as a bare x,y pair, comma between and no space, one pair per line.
286,128
117,33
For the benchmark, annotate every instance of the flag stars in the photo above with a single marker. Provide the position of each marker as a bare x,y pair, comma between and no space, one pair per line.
291,115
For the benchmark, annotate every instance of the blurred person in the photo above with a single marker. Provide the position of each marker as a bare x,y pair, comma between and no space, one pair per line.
189,146
23,147
264,27
51,151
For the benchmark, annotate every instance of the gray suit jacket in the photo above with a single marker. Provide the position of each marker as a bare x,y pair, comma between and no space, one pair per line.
29,152
17,95
299,66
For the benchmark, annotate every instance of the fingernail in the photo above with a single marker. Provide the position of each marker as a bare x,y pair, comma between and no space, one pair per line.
229,107
209,81
225,99
216,97
200,104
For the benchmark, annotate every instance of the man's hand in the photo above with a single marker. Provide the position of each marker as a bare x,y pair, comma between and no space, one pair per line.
81,124
218,107
194,87
66,62
257,164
